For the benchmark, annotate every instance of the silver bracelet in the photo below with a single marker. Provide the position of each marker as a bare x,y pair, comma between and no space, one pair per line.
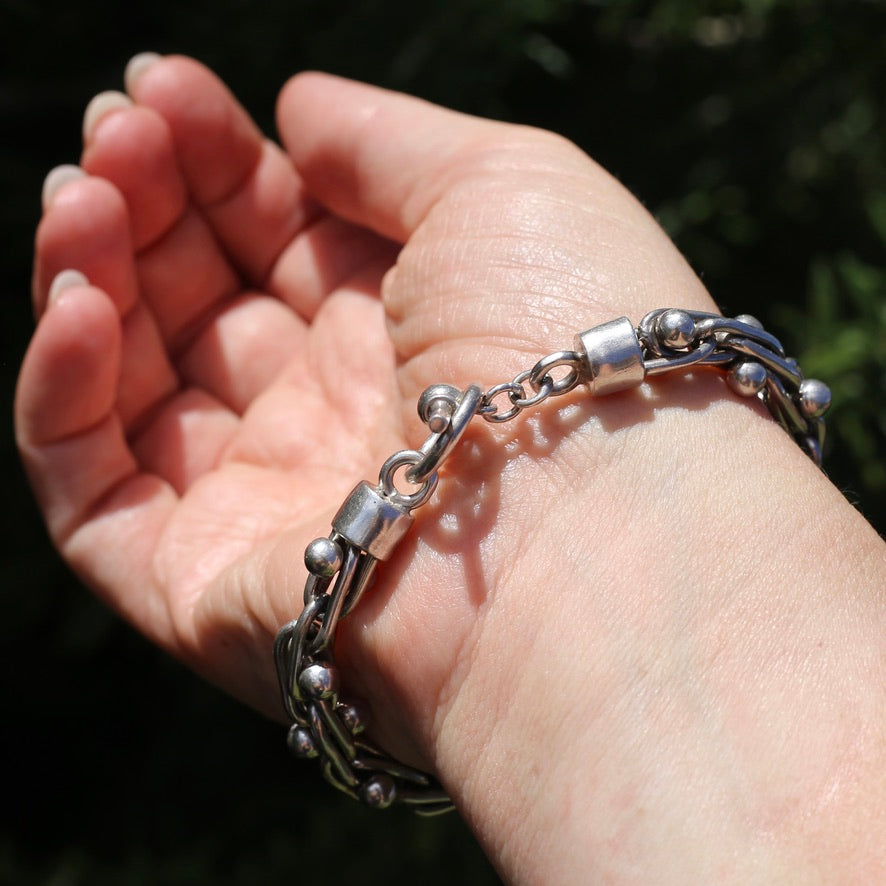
373,519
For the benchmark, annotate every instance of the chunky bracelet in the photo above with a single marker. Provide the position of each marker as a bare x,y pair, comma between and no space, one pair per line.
373,519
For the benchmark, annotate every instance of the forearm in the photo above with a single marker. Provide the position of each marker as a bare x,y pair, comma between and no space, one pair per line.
674,653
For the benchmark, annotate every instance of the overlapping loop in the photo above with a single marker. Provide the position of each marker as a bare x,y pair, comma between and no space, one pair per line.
324,726
754,361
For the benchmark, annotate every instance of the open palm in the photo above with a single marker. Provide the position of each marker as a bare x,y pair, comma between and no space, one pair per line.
194,415
227,376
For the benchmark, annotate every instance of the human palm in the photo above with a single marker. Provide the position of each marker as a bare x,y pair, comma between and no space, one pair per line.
236,399
251,345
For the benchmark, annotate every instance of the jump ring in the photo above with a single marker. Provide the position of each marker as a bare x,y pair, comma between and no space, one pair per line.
541,372
490,411
542,392
386,480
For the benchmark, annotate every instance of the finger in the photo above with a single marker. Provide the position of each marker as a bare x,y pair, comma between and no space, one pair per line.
104,512
147,377
185,277
132,148
86,227
517,197
515,236
236,349
185,439
69,433
183,273
216,142
69,377
321,258
245,185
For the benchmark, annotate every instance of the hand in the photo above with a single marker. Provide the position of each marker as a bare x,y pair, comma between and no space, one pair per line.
196,415
256,330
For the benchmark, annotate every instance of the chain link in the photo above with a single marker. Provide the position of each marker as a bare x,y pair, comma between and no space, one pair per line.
373,519
541,382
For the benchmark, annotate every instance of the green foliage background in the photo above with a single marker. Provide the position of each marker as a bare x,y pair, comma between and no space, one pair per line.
753,129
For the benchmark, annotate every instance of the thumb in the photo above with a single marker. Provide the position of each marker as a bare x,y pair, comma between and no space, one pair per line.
375,157
514,238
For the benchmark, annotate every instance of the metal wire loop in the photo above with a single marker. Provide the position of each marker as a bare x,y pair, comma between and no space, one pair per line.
540,375
386,480
544,390
489,410
437,447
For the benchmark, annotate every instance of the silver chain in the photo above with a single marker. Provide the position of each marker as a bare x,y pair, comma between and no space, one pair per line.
373,519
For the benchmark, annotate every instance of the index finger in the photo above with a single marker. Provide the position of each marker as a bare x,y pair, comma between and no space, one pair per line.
245,185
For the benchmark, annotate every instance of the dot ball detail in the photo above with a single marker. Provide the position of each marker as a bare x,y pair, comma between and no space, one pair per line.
353,716
676,329
323,557
749,320
300,741
747,379
379,792
318,681
815,397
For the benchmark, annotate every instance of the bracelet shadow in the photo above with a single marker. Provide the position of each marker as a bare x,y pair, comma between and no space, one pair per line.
458,524
465,509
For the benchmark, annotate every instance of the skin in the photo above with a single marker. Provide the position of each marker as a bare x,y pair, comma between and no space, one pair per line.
636,636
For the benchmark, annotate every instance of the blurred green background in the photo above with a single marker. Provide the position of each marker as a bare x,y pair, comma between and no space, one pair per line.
753,129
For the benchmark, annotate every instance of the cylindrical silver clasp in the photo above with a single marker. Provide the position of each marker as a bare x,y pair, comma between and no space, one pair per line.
611,357
371,522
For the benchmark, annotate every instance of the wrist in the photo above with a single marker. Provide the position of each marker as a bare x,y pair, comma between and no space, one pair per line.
580,680
653,644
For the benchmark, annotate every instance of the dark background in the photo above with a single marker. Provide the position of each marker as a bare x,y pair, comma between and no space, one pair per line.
754,130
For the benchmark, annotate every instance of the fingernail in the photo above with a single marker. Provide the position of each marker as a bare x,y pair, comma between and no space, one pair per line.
102,104
65,280
136,66
56,179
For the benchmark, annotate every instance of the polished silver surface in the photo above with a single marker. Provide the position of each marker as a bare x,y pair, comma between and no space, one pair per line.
755,364
436,405
379,791
300,741
815,397
675,328
374,519
461,408
747,379
611,356
323,557
318,681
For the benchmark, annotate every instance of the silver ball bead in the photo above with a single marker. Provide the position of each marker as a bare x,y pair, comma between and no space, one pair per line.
379,792
675,328
815,397
300,741
749,320
318,681
353,716
323,557
747,379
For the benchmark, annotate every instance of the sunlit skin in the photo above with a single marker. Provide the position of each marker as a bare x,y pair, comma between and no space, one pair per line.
632,635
